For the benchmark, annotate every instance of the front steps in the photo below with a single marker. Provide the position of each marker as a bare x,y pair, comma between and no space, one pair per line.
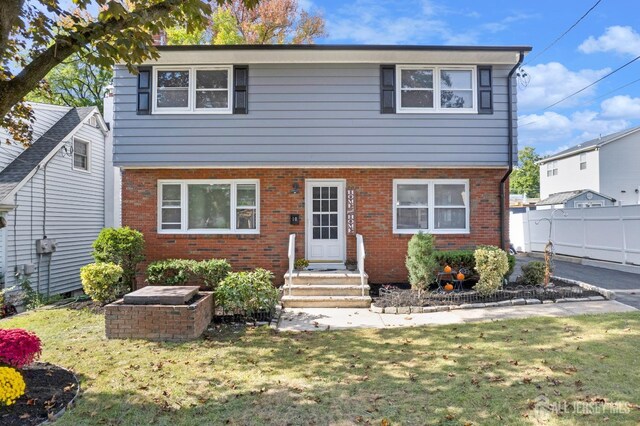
325,289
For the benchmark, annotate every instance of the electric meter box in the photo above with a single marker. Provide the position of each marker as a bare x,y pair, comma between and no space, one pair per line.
46,246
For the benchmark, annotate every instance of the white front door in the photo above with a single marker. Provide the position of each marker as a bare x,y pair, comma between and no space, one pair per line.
324,218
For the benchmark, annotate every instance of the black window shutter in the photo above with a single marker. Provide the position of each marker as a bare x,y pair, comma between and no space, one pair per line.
387,89
144,90
240,89
485,91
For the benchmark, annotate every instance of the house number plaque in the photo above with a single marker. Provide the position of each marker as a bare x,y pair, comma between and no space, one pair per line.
351,211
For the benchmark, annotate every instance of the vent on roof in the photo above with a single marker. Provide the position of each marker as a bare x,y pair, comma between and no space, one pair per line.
93,121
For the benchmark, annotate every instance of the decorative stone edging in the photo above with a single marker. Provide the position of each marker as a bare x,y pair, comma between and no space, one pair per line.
54,417
607,294
441,308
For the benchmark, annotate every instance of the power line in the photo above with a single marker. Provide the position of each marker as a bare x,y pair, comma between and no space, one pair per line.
563,34
595,82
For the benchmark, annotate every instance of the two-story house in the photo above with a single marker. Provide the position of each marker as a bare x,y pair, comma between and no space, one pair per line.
606,165
228,150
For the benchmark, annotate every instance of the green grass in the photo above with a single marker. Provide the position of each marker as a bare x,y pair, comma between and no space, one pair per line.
481,373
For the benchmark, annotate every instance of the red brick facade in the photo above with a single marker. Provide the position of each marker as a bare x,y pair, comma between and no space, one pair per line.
386,251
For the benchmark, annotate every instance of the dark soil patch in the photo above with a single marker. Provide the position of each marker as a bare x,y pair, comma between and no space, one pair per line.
79,305
49,389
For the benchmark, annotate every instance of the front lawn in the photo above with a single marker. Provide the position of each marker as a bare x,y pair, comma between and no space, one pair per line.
482,373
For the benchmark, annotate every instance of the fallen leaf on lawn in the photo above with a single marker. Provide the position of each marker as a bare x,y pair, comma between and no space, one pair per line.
526,380
385,422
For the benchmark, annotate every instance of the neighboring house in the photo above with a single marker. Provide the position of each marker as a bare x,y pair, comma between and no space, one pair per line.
607,165
55,189
576,199
227,150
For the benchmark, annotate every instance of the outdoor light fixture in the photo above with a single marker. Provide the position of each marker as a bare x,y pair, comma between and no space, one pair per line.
296,188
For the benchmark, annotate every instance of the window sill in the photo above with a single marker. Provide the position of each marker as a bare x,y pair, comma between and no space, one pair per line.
188,112
205,232
436,111
434,232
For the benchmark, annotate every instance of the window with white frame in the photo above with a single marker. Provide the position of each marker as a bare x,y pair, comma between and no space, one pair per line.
209,206
192,89
552,168
583,161
80,155
434,206
436,89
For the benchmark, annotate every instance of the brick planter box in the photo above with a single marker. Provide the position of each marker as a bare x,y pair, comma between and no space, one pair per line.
175,323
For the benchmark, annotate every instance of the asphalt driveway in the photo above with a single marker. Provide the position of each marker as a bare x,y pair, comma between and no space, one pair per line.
625,284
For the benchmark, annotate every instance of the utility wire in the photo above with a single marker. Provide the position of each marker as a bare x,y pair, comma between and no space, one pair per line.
594,99
595,82
563,34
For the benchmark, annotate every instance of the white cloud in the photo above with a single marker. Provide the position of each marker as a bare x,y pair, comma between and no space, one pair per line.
619,39
622,106
408,22
552,82
552,128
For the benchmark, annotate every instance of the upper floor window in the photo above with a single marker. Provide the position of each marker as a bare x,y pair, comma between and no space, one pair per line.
192,90
583,161
552,168
80,155
436,89
209,206
436,206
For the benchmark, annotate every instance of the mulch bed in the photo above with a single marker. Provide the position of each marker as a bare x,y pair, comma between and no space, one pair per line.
49,389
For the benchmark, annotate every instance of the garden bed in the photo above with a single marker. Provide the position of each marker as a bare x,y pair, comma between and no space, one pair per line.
392,296
50,389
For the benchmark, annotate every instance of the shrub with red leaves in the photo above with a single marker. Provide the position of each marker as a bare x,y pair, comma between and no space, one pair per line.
19,347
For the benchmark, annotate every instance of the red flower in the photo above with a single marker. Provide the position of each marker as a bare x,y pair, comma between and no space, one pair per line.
19,347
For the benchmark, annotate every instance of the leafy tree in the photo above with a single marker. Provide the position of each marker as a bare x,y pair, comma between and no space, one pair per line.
38,35
525,179
270,22
74,83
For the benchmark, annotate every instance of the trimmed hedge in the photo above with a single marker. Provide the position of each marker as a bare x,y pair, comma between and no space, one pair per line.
206,273
247,292
103,281
465,259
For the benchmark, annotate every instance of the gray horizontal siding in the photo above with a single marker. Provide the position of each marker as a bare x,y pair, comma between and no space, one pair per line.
75,216
305,115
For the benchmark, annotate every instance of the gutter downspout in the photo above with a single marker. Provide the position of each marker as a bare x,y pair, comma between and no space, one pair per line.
503,240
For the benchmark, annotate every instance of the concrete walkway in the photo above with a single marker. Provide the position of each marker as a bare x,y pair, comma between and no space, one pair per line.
309,319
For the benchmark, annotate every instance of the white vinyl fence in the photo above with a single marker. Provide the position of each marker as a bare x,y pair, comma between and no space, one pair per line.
602,233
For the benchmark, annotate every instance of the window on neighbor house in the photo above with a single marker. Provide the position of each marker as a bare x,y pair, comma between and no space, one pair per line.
552,168
209,206
583,161
80,155
435,206
192,89
436,89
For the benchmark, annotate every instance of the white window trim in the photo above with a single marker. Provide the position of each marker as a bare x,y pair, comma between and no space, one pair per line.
191,108
73,163
431,205
184,206
588,204
437,109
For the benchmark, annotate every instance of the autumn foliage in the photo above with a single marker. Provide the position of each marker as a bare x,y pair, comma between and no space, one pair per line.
19,347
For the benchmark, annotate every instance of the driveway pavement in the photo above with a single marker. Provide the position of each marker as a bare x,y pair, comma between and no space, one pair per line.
625,284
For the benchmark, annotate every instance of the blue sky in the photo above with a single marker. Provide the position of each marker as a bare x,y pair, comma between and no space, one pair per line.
607,38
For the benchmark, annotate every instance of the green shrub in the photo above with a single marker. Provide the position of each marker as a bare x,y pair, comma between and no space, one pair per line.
123,246
532,273
456,259
420,261
206,273
300,264
247,292
102,281
512,264
491,264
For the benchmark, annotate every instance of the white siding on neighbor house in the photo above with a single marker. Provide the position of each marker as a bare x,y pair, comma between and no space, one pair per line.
74,217
570,177
620,169
311,115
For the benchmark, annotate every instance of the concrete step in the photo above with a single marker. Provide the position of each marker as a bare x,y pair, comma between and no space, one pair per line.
326,301
327,290
326,278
